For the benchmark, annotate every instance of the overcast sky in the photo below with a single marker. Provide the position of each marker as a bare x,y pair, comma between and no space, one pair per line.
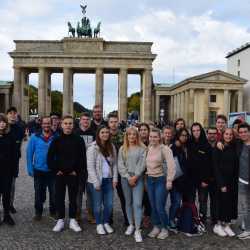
190,37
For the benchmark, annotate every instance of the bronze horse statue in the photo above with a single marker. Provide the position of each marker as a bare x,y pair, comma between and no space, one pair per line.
97,30
71,30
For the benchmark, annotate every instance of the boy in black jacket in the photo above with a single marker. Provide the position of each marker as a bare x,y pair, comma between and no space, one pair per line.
67,158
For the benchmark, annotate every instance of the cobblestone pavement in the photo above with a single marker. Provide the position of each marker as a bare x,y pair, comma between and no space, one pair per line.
38,235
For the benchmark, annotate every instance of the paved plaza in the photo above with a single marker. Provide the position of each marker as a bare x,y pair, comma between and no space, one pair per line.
38,235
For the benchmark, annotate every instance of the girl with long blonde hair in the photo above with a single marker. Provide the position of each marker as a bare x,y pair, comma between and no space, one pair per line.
131,166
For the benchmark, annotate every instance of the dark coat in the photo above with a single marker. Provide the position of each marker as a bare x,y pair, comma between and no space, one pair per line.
7,155
226,171
17,132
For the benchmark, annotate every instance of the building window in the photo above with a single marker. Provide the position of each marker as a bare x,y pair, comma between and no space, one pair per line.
212,118
238,62
238,73
212,98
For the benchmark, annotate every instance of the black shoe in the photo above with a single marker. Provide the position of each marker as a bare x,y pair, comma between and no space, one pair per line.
53,216
8,220
13,210
37,217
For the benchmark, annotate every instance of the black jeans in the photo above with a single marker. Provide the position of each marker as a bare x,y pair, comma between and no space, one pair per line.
203,194
5,189
122,199
42,181
146,204
72,183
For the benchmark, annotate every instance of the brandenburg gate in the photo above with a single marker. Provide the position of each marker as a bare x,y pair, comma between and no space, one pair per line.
81,55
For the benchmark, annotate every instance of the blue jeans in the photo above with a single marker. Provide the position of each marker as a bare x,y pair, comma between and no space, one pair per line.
42,181
157,194
133,200
104,198
175,198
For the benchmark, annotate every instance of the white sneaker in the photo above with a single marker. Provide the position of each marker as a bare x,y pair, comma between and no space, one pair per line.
137,235
130,230
73,224
163,234
59,226
227,229
108,228
245,234
219,230
154,232
100,229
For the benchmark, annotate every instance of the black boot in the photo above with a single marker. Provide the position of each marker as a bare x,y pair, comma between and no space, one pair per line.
7,219
12,210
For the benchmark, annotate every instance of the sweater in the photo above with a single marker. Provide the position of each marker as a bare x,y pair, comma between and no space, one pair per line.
155,159
134,164
200,162
88,135
95,162
67,154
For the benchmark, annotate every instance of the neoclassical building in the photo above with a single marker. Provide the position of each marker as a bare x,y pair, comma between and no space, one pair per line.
81,55
200,98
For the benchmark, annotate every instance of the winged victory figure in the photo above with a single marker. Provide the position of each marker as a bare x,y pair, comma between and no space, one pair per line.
83,9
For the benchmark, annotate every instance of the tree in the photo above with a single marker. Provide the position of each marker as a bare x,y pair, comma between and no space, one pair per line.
134,102
56,102
33,98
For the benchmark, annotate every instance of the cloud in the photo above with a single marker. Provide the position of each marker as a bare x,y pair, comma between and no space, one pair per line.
189,38
187,45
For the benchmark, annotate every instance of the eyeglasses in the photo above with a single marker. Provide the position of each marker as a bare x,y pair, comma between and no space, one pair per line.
212,133
184,135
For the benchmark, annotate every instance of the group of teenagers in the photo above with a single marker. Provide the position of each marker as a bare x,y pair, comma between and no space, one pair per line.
145,165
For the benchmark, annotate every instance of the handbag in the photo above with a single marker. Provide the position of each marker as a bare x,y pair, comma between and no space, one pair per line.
178,170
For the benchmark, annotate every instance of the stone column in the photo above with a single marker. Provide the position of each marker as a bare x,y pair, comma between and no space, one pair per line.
171,118
178,106
7,100
240,101
182,104
99,87
17,97
147,92
42,87
206,108
25,94
191,107
141,99
157,107
175,110
226,102
186,103
67,91
122,94
48,94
